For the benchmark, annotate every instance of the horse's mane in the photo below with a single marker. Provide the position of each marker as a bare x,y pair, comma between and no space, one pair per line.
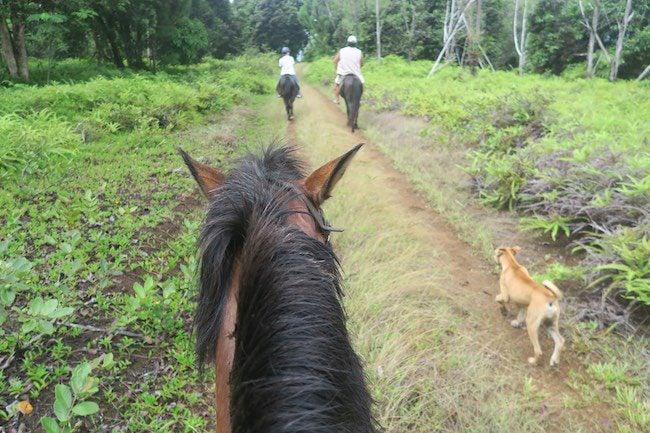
294,368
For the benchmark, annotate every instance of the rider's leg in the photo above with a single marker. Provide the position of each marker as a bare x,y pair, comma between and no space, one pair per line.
337,88
295,79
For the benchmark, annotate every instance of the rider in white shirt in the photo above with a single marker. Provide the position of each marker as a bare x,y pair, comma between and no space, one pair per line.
348,60
287,63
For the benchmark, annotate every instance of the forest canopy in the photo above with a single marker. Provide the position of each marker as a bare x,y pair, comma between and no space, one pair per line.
610,38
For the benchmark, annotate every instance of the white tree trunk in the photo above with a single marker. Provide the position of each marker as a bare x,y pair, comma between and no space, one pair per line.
453,23
644,73
378,31
592,41
520,41
622,29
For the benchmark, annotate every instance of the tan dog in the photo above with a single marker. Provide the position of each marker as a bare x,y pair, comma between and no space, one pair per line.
537,303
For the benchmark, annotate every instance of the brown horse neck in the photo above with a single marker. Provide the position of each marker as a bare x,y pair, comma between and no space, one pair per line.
302,219
226,353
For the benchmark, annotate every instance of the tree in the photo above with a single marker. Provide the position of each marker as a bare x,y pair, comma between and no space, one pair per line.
622,22
408,28
13,17
592,39
555,39
520,41
454,21
270,24
378,31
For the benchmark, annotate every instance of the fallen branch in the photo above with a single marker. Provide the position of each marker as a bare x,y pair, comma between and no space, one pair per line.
105,330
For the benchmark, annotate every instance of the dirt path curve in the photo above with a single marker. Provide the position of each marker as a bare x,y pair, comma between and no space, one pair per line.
419,272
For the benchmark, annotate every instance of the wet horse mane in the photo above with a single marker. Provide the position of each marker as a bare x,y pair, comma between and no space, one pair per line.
294,369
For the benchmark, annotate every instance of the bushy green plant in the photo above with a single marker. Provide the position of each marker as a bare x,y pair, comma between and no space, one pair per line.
620,263
72,400
40,126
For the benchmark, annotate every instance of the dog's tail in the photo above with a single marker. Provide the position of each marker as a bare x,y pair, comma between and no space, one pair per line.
553,288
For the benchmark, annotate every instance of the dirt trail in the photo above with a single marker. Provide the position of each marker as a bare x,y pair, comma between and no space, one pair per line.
469,283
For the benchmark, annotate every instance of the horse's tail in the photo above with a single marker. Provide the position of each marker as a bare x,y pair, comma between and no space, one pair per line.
355,91
553,288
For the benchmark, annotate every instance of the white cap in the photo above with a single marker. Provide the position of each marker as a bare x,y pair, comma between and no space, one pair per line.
352,39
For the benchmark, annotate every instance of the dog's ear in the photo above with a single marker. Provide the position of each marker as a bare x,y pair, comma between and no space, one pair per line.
499,251
515,250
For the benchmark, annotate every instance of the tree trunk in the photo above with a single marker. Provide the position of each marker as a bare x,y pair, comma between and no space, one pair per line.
450,13
622,29
520,42
378,23
99,46
411,35
449,35
112,42
20,48
644,73
592,42
8,49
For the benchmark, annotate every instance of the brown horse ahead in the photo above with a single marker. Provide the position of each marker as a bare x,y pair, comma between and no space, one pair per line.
269,314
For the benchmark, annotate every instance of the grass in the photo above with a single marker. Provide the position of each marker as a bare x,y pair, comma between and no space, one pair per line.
97,259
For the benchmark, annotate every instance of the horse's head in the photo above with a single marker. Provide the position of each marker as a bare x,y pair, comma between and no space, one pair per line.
311,191
270,295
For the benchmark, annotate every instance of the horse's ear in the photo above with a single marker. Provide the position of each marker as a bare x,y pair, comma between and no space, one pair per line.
207,177
320,183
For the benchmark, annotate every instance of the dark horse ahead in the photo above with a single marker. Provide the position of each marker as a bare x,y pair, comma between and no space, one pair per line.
351,91
269,314
288,90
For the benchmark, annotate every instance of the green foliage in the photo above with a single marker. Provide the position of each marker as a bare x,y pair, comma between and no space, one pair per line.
555,39
553,225
621,264
270,25
42,126
559,272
